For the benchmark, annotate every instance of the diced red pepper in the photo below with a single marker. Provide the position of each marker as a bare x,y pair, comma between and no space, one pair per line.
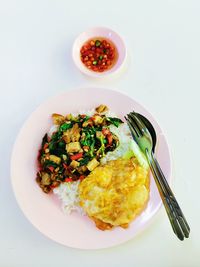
51,168
76,156
90,122
93,118
83,116
82,177
110,139
105,131
54,184
45,146
65,166
68,180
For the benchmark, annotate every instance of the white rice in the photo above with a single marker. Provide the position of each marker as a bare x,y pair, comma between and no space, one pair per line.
123,133
68,192
126,145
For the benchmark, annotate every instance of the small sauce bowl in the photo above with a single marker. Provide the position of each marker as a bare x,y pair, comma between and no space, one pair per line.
99,33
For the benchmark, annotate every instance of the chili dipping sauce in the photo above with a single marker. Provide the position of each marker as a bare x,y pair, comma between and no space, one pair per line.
99,54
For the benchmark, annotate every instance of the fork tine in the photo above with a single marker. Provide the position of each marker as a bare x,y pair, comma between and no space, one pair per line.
134,125
139,122
132,129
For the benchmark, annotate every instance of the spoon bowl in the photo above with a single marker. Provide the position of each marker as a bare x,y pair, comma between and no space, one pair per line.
150,128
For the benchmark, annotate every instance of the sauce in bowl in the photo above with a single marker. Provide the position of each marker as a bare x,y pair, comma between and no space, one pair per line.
99,54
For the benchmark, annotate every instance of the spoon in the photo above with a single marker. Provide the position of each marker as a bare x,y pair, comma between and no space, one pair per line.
178,211
150,128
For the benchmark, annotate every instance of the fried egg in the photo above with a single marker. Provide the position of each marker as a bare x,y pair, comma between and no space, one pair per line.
115,193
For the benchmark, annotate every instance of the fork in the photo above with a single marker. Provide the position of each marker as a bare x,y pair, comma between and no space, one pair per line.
142,136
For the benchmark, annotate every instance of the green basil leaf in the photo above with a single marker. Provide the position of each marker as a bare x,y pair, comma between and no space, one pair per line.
84,161
65,126
114,121
49,163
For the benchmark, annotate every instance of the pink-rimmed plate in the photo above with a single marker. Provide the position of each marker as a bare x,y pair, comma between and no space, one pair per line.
44,211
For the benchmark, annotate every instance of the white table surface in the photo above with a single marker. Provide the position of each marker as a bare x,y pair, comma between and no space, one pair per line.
162,73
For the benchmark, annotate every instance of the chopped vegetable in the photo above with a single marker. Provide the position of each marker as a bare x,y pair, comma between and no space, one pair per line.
64,157
46,179
84,161
101,109
55,159
110,139
74,164
114,121
105,131
82,177
48,163
76,156
45,146
57,118
73,147
65,166
87,122
92,164
97,43
51,168
97,119
65,126
68,180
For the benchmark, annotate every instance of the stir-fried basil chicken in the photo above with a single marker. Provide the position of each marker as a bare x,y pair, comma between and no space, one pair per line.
76,148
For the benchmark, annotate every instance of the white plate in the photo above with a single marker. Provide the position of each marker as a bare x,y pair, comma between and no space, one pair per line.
43,210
